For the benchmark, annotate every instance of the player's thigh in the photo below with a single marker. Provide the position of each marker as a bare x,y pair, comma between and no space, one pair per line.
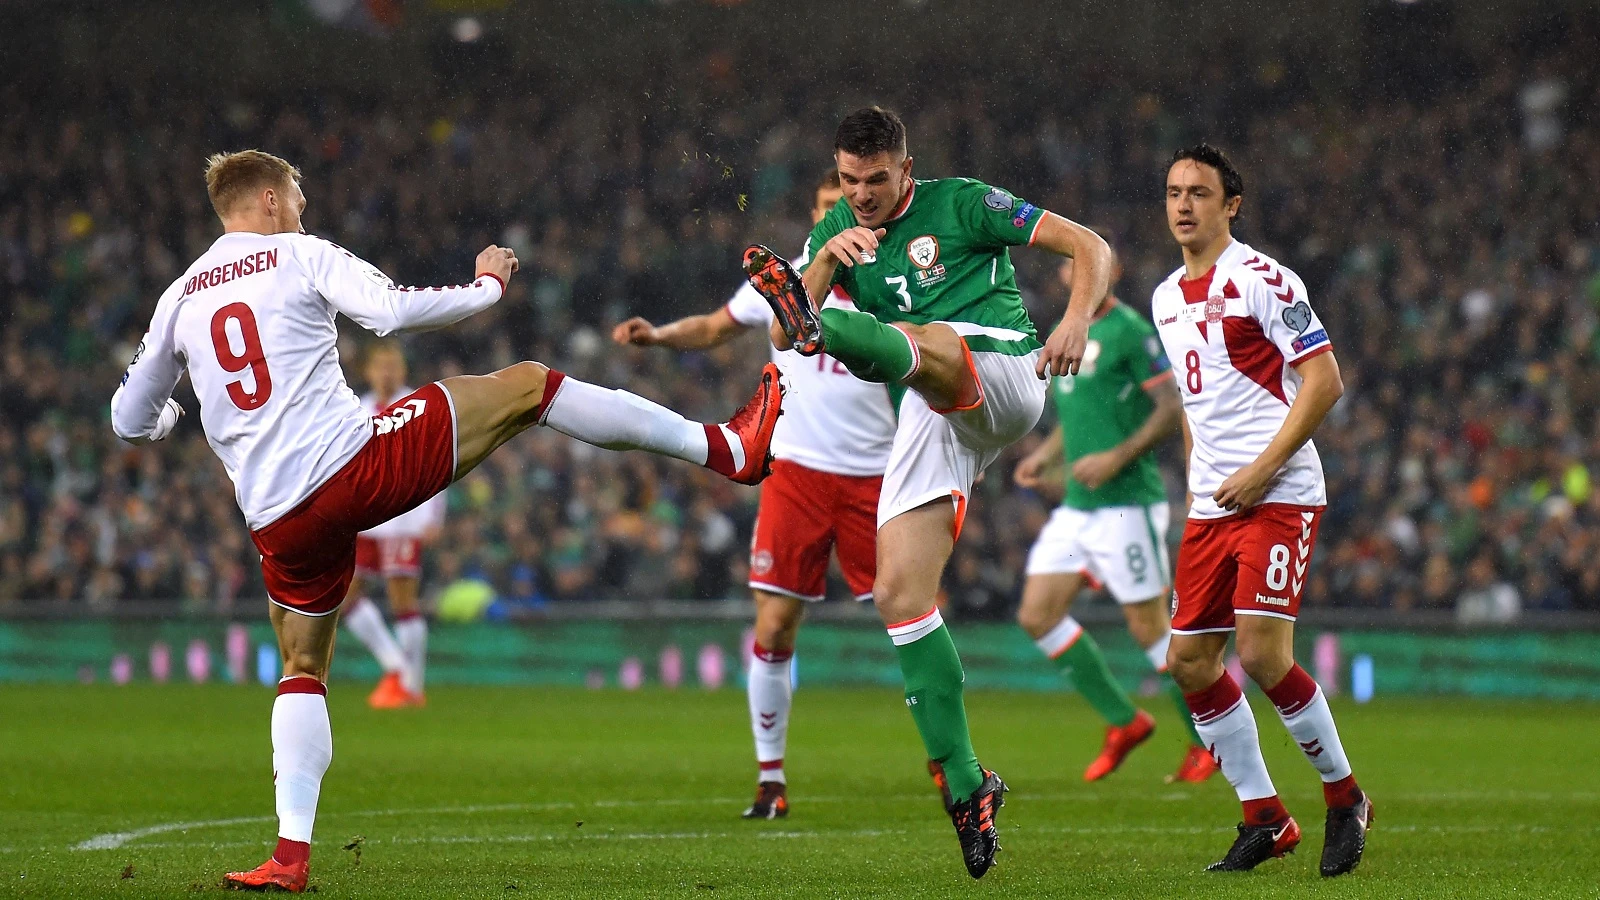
305,642
913,548
1266,648
1274,556
792,535
1195,660
404,594
1127,548
928,461
1046,600
1057,569
1206,577
491,409
778,618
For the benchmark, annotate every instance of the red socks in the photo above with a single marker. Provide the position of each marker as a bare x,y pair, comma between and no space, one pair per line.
771,656
1294,693
291,853
719,456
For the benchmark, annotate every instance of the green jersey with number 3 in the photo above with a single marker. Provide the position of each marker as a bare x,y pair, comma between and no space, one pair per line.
945,258
1106,402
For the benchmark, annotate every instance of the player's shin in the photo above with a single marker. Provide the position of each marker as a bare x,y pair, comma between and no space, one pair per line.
618,420
366,623
770,692
411,632
302,747
933,677
1227,728
870,349
1304,711
1078,656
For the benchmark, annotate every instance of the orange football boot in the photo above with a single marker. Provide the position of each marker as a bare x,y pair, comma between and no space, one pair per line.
390,693
271,875
1197,766
1119,743
754,424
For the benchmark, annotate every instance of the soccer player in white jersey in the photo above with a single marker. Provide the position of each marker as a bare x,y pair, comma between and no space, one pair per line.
1257,375
252,323
391,554
832,446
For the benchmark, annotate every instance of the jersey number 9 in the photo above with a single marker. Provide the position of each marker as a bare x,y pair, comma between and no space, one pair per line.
252,358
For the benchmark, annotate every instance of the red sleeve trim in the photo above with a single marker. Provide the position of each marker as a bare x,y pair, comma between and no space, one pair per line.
497,280
1043,214
1325,348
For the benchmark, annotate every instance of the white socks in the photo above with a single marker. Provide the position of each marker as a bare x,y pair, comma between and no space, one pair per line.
1228,729
1157,653
302,747
412,635
618,420
1059,639
771,695
366,623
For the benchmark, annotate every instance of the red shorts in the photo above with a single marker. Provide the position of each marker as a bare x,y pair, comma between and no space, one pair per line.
309,556
390,557
803,514
1251,563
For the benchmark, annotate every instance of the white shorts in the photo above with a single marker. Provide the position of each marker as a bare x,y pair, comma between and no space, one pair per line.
939,455
1123,548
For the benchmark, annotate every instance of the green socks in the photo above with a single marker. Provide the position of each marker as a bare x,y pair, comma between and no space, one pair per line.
1077,655
933,677
871,350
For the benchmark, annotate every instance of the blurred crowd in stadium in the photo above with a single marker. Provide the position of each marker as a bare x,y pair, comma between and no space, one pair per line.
1452,247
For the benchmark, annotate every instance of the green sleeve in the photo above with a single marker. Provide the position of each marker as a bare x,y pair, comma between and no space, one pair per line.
996,217
1146,357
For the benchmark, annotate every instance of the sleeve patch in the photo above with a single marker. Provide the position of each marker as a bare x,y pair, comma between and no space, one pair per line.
1307,341
998,200
1298,317
1024,213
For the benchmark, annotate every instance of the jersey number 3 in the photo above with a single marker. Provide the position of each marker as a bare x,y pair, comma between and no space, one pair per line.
253,358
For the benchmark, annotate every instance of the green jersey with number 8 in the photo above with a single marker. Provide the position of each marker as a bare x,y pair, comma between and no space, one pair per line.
945,258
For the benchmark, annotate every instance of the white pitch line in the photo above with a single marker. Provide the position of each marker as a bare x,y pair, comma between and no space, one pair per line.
117,839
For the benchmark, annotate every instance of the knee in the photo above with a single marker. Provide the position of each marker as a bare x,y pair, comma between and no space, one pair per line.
1034,618
1191,667
777,621
896,602
1266,665
297,663
529,379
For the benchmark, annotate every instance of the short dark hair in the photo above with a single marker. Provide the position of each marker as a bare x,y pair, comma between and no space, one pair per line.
1207,155
870,131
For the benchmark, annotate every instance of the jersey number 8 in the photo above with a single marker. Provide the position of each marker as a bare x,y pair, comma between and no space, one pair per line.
253,357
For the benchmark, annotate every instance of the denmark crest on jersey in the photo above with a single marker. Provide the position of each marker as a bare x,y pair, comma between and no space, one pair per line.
924,251
1215,305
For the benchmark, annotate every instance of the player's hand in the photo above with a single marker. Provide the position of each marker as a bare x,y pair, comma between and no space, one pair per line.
1064,351
166,421
1029,472
855,245
1244,488
497,261
636,330
1096,469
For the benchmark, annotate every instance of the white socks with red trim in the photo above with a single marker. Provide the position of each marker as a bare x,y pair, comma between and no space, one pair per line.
1228,729
1304,711
302,747
411,633
618,420
366,623
771,694
1056,641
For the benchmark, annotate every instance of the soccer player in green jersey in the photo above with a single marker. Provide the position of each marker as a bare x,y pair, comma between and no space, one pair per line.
1111,526
928,266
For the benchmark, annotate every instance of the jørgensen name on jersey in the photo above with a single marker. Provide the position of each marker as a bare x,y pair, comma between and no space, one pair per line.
252,322
945,257
832,421
1234,336
1107,401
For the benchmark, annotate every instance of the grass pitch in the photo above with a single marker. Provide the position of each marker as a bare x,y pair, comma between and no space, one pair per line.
500,792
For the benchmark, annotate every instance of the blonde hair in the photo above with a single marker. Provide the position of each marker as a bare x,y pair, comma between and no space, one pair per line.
231,177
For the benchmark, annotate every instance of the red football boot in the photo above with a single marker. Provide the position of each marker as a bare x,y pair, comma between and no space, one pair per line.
1119,743
271,875
784,290
754,423
1198,765
390,693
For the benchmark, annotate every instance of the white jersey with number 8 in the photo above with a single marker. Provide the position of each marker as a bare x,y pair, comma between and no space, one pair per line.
252,321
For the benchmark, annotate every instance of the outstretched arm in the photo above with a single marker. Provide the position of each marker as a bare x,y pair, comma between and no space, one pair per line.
1319,391
142,409
359,290
1091,279
689,333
